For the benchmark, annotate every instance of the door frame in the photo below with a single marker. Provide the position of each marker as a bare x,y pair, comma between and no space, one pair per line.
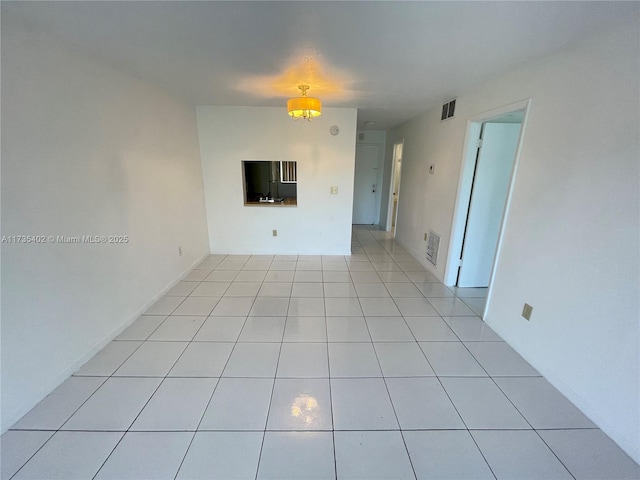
474,126
391,183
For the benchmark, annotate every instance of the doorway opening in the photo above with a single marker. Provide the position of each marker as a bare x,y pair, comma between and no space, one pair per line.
489,167
394,188
365,184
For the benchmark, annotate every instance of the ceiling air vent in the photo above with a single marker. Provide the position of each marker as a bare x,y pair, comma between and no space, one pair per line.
433,245
448,109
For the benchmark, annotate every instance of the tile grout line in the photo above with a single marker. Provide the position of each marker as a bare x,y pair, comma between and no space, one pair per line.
148,399
273,387
154,392
333,433
529,423
456,409
395,413
215,387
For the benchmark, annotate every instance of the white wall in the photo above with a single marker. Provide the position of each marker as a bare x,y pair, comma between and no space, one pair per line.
86,150
321,223
571,244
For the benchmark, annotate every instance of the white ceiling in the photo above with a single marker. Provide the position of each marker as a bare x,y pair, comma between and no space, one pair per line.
390,59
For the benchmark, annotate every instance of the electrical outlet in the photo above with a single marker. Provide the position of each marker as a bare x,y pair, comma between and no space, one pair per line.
526,311
179,250
333,190
274,233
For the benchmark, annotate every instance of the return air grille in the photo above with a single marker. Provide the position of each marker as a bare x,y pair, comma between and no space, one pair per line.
433,245
448,109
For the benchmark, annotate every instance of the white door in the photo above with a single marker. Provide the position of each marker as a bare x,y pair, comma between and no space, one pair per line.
365,185
397,173
486,207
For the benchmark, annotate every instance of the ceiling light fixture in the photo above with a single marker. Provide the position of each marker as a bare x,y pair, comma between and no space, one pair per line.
303,106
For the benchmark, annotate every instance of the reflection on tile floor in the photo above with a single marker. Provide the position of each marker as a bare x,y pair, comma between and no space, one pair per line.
288,366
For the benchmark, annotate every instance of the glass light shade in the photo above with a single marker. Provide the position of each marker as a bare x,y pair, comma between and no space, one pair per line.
304,107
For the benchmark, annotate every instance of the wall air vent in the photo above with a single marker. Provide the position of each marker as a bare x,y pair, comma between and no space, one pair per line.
433,245
448,109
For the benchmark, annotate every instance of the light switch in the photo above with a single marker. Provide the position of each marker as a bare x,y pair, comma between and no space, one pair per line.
334,190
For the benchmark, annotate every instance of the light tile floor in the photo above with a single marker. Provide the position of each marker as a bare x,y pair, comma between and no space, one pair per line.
279,367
